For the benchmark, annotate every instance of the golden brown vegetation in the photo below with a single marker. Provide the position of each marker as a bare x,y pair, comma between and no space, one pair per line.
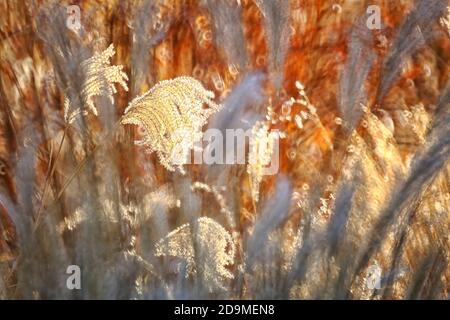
364,174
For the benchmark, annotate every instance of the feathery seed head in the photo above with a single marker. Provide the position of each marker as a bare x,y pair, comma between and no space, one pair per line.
99,78
216,252
172,116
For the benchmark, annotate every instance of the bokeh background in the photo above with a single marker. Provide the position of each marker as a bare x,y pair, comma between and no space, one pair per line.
363,180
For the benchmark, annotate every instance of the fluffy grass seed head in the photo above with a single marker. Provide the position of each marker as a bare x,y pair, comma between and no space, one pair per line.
445,22
261,149
99,78
172,116
215,247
